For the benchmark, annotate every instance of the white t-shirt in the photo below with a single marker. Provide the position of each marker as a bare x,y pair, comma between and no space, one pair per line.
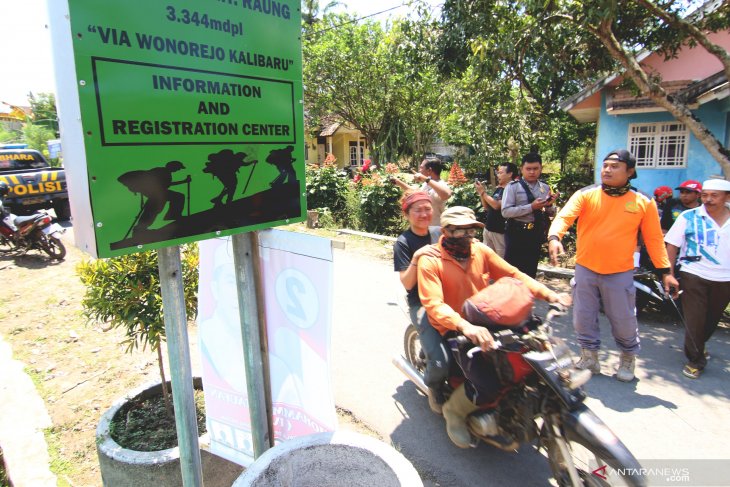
698,235
438,204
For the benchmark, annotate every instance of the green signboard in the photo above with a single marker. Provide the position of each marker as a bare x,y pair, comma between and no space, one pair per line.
192,118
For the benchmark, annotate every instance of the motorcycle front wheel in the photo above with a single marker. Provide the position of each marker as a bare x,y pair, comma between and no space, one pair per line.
53,247
574,464
412,349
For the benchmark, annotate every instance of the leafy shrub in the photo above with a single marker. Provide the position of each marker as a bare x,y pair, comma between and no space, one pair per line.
328,187
125,293
465,195
379,205
568,183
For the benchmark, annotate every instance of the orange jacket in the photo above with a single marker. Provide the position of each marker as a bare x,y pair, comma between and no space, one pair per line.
608,228
444,285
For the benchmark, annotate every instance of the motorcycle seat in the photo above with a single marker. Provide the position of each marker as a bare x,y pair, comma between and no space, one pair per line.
22,220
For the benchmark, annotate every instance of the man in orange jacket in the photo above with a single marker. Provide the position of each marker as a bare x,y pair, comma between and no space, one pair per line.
610,216
464,267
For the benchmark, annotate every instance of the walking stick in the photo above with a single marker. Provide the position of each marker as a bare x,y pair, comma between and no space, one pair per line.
188,185
249,176
136,219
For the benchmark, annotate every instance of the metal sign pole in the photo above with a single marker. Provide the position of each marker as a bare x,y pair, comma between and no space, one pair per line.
247,268
178,349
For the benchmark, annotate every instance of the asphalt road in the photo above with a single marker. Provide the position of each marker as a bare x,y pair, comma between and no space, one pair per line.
661,415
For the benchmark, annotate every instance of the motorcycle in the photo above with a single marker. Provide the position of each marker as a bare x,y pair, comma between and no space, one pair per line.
32,232
541,402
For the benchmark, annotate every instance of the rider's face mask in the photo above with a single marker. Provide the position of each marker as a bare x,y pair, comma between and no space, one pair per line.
457,242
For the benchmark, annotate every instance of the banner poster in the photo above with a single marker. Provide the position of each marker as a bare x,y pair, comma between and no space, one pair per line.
192,118
297,287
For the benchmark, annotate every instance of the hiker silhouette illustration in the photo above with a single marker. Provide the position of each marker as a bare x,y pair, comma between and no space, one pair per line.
154,184
284,162
224,165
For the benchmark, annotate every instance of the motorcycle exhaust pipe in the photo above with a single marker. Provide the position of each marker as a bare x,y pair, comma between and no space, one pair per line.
404,366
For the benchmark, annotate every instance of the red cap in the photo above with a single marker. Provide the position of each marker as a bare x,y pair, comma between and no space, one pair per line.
663,193
506,302
691,185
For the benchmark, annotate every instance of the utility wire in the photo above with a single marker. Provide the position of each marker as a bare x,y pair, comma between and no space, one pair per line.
356,20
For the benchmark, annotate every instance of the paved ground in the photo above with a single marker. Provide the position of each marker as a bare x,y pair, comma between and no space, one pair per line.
661,415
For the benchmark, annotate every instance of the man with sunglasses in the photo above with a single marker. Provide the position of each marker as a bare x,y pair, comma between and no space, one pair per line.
689,198
464,267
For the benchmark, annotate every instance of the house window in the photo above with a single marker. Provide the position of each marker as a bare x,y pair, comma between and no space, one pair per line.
659,144
357,153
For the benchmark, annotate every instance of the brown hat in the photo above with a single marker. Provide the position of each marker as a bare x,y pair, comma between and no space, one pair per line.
507,302
459,216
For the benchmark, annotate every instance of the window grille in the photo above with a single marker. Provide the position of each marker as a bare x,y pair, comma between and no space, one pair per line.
659,145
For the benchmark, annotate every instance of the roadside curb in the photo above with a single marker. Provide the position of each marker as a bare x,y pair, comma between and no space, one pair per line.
23,417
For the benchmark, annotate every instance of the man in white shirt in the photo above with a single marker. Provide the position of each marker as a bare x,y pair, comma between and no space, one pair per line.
429,175
700,237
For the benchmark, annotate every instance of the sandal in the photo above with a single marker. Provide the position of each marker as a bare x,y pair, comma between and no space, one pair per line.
691,372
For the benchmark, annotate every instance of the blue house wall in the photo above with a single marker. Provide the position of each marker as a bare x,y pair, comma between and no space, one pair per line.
613,133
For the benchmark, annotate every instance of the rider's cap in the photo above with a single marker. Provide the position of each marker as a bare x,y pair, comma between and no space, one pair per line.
506,302
624,156
663,193
717,185
459,216
690,185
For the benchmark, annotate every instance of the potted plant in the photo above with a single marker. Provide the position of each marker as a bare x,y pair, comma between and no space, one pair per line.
136,437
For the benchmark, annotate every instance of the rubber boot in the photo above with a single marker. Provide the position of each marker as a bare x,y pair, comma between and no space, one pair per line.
589,361
455,411
625,372
435,400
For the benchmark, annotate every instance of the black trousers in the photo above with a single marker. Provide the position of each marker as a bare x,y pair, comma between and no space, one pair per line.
703,303
482,384
522,246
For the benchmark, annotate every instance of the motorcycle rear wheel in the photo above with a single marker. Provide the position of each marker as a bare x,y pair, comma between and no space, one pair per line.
53,247
412,349
576,465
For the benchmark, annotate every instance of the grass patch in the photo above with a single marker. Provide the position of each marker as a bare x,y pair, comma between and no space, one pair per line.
59,465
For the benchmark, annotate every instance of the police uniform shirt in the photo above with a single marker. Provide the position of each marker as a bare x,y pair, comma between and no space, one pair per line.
515,204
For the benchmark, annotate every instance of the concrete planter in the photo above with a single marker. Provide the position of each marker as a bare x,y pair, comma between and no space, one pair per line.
121,467
331,460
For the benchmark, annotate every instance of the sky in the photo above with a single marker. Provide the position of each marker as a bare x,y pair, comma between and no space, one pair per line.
26,62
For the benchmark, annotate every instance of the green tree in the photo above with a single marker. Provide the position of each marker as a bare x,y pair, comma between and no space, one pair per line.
44,110
666,29
125,293
366,76
312,10
538,42
516,73
36,136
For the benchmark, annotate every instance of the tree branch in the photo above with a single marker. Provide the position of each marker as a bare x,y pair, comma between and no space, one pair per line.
690,29
658,95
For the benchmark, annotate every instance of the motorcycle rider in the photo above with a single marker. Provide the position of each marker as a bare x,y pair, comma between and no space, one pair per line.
464,267
411,245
